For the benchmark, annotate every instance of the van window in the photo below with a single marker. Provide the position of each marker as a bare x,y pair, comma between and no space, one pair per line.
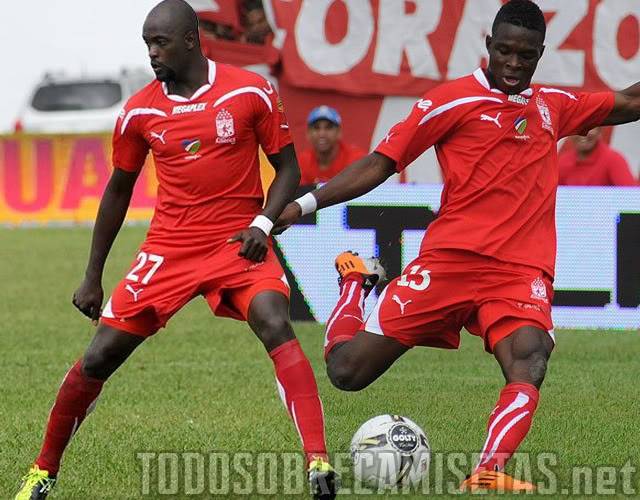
77,96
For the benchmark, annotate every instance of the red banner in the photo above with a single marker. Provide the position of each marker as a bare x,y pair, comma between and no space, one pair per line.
398,47
61,178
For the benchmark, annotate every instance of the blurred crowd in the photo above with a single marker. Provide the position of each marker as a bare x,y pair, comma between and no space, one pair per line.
587,160
252,27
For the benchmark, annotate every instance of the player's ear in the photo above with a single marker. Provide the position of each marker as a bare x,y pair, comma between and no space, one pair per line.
487,43
190,39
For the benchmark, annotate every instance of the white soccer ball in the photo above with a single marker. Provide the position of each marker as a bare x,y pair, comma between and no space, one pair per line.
390,451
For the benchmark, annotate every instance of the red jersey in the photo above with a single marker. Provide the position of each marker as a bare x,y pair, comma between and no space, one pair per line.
311,171
499,162
205,150
602,167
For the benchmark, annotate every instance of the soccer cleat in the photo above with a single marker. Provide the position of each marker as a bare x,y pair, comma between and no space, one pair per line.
36,485
324,481
494,481
371,270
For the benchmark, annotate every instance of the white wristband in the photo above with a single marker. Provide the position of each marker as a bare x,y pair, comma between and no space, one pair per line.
308,203
263,223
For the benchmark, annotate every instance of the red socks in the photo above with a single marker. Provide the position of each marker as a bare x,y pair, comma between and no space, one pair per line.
347,317
299,393
75,400
508,425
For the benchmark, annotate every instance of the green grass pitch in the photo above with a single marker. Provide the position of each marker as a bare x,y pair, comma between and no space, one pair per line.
205,384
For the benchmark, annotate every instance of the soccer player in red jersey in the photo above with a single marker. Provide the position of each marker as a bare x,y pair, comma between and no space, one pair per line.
204,123
487,262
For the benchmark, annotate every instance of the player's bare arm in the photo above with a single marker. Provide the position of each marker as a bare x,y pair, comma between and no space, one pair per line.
254,240
113,208
357,179
626,107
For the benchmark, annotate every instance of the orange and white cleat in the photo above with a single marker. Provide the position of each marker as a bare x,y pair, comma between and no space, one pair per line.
371,270
488,480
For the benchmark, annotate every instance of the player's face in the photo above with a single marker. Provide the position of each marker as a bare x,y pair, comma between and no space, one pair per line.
514,53
166,50
323,135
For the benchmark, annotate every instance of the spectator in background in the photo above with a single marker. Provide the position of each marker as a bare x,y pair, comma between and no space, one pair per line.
328,154
589,161
217,31
254,22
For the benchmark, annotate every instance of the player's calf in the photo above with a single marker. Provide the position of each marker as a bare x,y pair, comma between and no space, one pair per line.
523,357
356,277
354,365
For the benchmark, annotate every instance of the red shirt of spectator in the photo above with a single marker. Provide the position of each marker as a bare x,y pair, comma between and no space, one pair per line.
329,155
589,161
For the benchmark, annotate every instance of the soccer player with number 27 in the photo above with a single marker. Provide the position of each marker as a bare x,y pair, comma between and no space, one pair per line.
209,236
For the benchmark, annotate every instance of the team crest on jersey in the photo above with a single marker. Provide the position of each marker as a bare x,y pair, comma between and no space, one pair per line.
539,290
225,128
545,114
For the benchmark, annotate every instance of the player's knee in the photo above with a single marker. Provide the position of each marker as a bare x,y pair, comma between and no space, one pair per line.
99,363
531,369
274,331
537,368
343,376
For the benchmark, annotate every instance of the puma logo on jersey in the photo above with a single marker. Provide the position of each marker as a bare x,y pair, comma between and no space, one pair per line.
402,305
387,137
135,293
160,136
487,118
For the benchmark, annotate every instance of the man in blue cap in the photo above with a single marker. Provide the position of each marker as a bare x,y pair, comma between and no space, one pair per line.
328,154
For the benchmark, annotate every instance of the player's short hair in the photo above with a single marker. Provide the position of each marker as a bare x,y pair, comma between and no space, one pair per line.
180,14
524,13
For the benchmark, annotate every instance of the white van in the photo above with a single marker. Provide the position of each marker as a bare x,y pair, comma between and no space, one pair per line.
79,104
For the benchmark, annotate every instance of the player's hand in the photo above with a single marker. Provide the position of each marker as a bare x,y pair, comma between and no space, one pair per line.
291,213
88,299
254,244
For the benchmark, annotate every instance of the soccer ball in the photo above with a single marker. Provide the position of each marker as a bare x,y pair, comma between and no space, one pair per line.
390,451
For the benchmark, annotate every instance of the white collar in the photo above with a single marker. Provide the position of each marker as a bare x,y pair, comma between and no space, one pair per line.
482,80
211,77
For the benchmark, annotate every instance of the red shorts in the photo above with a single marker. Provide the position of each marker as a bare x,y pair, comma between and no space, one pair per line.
163,278
443,291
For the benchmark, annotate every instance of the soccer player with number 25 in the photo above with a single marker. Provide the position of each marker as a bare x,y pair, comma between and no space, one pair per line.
487,262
